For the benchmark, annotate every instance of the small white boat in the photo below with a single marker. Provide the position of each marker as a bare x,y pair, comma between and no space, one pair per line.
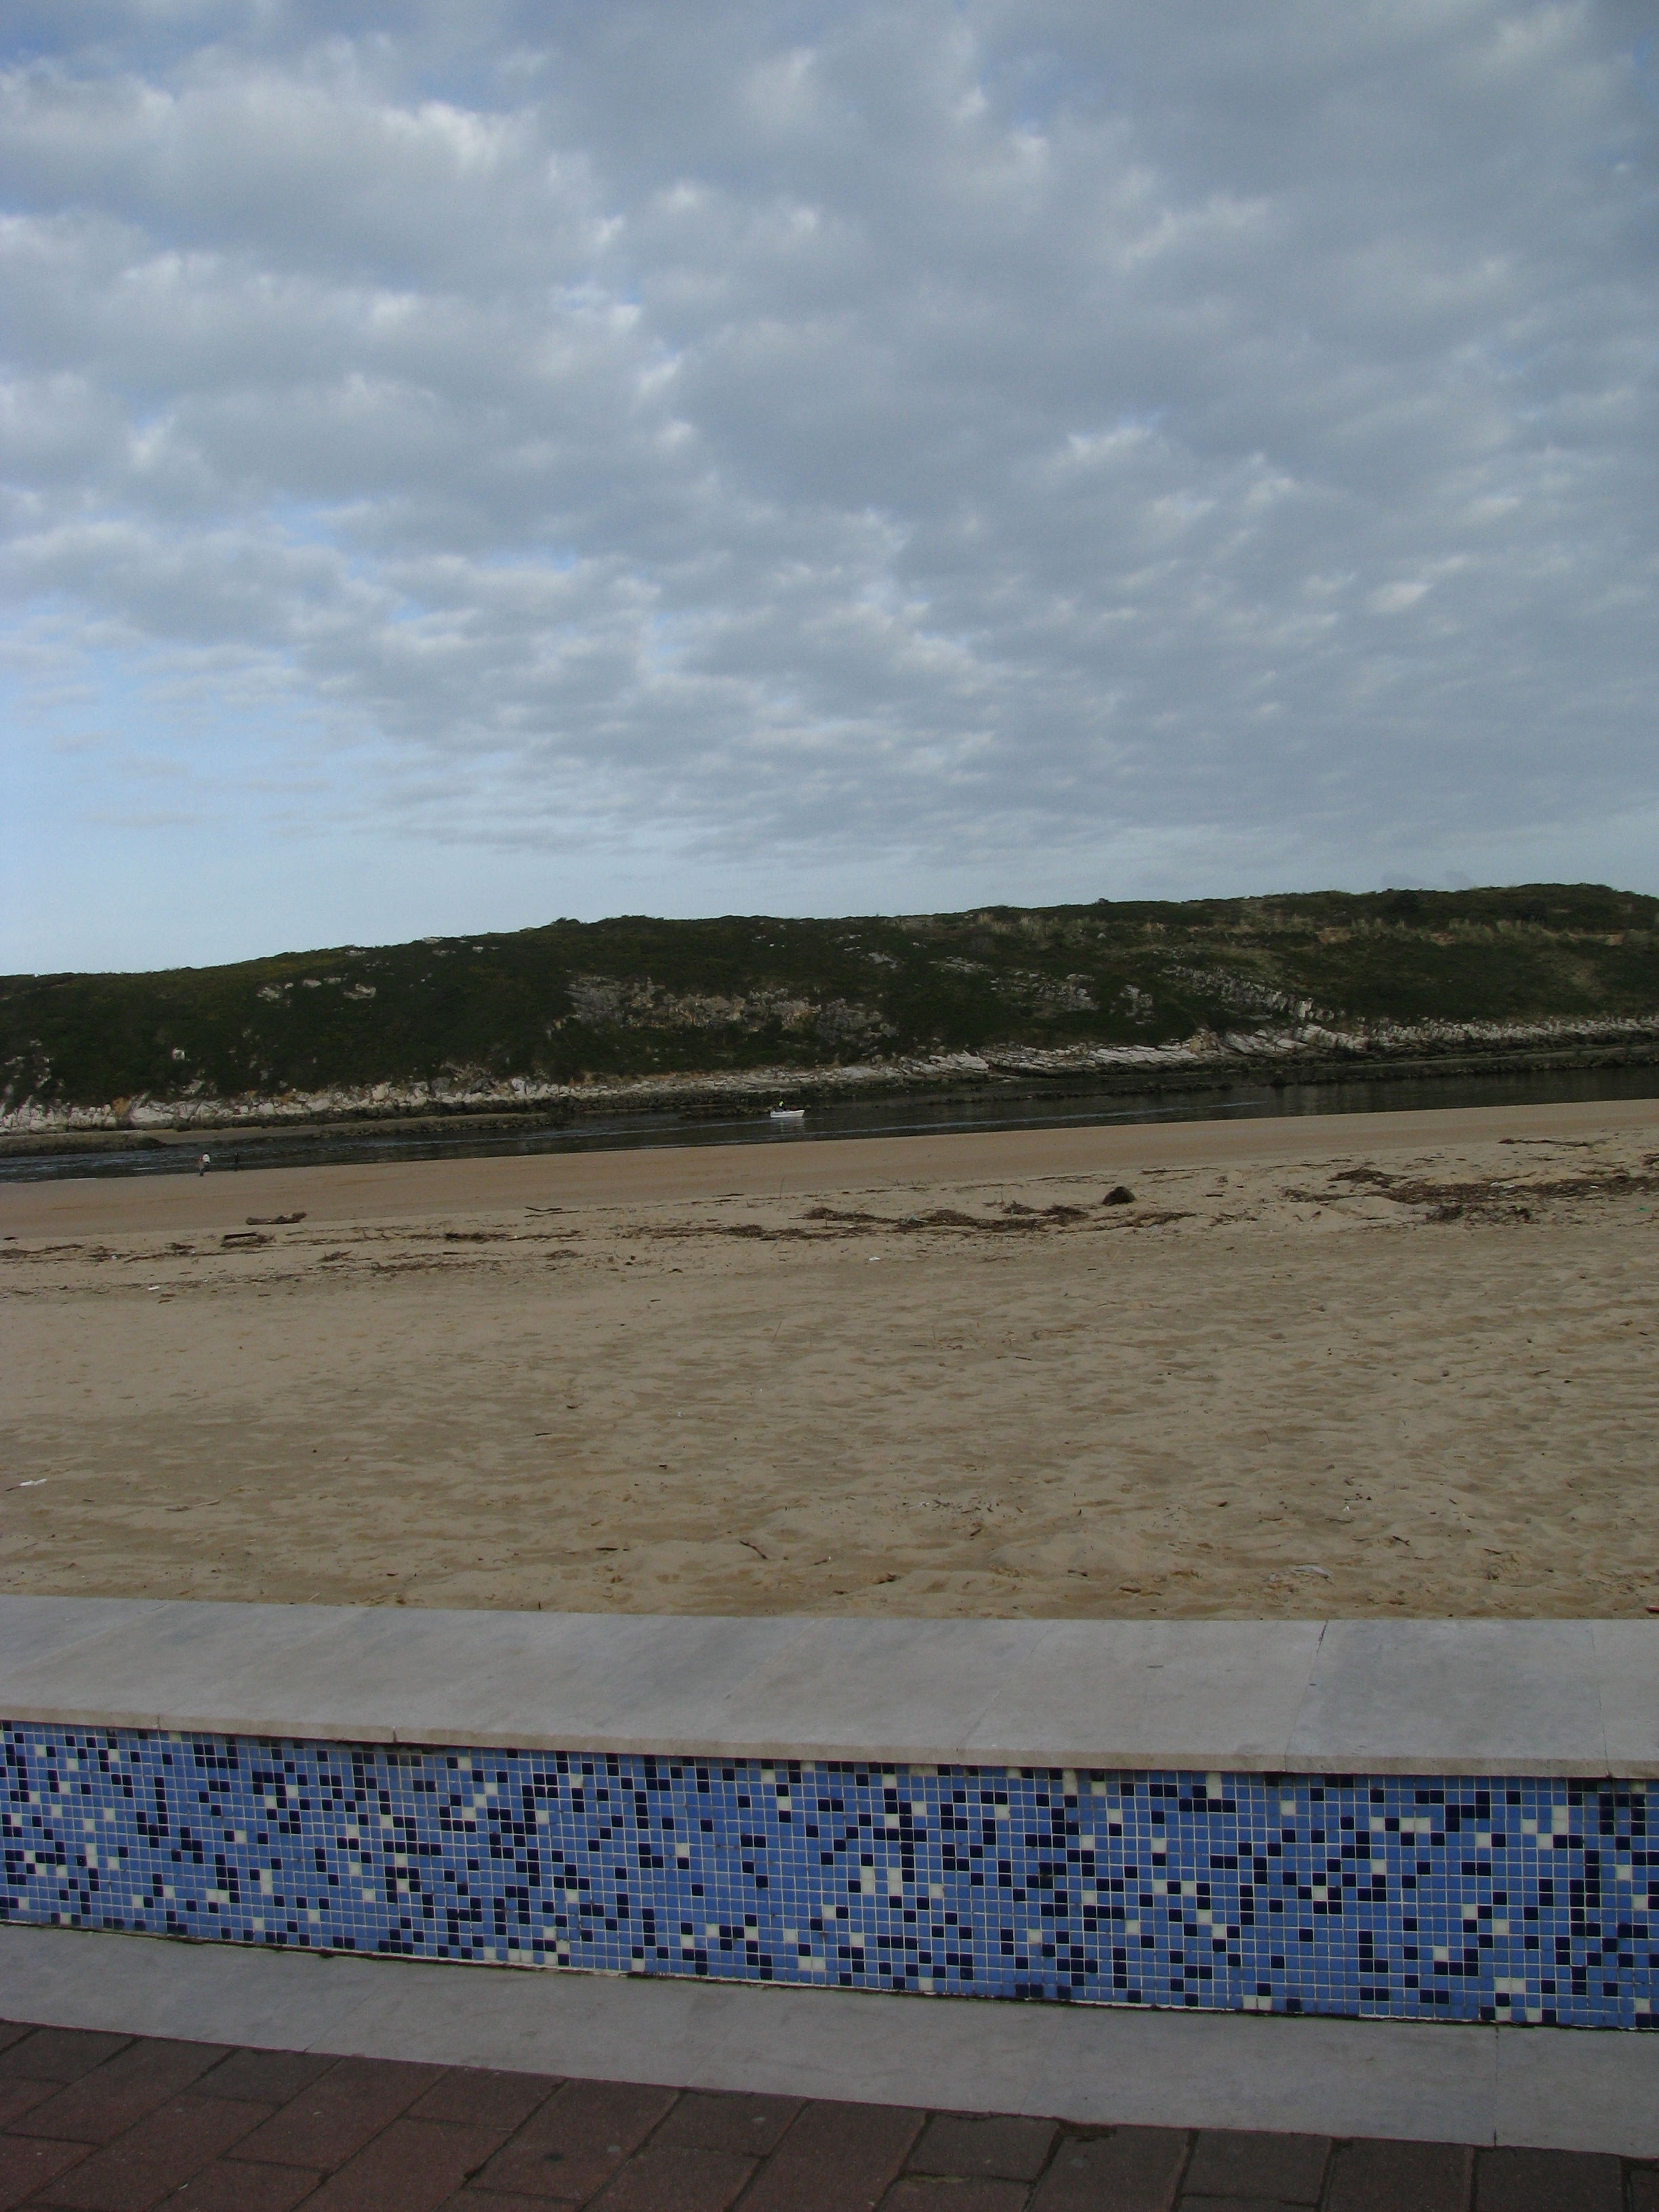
782,1113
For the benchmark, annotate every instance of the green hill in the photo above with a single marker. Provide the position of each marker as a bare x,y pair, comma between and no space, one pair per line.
577,1003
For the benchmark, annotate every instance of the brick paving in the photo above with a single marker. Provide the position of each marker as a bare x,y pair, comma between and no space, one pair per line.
93,2123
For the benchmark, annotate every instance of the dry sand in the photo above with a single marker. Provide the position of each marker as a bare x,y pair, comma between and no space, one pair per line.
1356,1364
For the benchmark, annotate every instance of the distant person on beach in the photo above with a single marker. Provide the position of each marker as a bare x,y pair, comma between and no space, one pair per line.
204,1164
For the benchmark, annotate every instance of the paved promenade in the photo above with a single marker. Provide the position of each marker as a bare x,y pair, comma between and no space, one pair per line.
102,2122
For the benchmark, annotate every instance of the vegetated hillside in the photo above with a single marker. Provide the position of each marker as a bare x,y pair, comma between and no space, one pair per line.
575,1002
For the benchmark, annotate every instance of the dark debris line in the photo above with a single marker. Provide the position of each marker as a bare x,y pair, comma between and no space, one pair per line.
99,2123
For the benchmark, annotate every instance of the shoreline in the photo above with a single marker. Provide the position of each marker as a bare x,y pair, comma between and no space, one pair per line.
347,1190
698,1099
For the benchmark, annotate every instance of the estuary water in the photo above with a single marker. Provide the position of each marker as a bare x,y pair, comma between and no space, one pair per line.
916,1115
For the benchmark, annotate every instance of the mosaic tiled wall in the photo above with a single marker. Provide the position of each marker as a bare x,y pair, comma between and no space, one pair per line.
1406,1897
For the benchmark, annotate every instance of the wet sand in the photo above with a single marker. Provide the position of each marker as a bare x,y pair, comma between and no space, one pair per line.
1351,1364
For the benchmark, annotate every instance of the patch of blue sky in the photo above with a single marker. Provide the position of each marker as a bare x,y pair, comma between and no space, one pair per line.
102,714
312,522
1032,87
531,561
668,637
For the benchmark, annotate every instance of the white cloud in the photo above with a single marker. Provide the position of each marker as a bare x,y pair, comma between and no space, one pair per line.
1053,442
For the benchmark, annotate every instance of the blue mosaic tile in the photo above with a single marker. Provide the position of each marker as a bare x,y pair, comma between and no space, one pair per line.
1403,1897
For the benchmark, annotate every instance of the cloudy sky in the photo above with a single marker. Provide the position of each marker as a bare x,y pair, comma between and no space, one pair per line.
467,465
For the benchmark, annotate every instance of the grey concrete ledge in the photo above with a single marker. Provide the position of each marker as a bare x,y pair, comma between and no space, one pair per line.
1537,1698
1553,2088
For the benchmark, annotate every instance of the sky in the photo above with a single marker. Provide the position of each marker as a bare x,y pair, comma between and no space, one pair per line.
465,466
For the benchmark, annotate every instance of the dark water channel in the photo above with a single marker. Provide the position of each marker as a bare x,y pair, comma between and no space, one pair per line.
916,1115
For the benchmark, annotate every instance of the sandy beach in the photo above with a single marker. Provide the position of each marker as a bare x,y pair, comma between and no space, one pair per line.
1362,1363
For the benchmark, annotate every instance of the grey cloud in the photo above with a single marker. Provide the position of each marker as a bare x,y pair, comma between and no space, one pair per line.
928,430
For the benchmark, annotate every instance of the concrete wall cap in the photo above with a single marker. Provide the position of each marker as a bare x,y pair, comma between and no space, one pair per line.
1470,1697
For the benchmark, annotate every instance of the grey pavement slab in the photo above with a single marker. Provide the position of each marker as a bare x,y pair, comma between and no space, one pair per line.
1550,2088
166,1665
1579,2089
37,1629
1460,1697
591,1681
1410,2079
897,1689
1151,1693
1382,1697
373,1675
1627,1678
